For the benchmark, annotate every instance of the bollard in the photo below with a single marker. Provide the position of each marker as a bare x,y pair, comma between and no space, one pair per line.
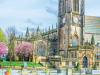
24,71
2,71
91,71
67,71
80,71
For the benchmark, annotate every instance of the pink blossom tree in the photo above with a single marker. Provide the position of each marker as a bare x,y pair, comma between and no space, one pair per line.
2,48
24,49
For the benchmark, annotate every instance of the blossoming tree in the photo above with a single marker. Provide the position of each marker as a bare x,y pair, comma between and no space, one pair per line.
24,49
2,48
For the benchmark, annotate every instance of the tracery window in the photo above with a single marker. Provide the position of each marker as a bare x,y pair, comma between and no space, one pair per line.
40,49
76,5
75,40
75,55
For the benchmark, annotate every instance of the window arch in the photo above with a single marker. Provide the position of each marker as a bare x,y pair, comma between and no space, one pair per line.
74,40
76,5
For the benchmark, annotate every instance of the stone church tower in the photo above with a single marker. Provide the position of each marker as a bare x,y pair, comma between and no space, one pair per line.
70,25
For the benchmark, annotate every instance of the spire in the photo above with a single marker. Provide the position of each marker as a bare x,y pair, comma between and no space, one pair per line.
49,28
52,27
27,33
38,28
92,40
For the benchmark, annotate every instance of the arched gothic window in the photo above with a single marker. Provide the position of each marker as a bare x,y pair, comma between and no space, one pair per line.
40,49
75,40
75,55
76,5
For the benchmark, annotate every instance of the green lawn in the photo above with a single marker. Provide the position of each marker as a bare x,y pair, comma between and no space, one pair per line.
20,63
3,58
76,71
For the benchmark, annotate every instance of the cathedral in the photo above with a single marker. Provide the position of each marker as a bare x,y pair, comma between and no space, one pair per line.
65,43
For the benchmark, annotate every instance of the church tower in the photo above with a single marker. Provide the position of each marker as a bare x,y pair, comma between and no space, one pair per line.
70,25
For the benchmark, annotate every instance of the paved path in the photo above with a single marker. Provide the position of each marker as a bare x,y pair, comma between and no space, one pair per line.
15,72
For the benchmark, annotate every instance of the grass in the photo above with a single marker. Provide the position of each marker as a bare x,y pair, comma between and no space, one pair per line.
3,58
20,63
76,71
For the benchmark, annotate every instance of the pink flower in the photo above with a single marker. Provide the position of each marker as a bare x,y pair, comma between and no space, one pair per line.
25,48
2,48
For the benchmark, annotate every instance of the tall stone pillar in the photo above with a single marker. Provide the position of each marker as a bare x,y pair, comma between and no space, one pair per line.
69,71
24,71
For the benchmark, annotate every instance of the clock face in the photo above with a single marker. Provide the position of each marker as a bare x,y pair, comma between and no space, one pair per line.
75,19
63,21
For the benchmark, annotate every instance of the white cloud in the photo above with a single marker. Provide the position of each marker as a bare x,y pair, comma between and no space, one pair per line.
17,12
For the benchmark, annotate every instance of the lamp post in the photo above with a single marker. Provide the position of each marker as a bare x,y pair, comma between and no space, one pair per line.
47,53
97,49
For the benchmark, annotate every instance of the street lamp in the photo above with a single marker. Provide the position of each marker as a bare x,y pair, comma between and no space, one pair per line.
97,49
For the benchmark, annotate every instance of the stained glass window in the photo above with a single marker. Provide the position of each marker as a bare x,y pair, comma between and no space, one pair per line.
74,2
40,49
74,40
76,5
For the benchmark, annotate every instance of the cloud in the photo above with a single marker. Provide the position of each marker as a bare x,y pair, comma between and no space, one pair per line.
52,11
34,13
34,23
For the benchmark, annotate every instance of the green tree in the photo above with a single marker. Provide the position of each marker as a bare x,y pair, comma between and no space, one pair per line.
95,65
2,37
78,65
11,31
92,40
11,47
35,57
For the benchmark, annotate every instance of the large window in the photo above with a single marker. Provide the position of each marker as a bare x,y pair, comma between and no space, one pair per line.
74,41
75,55
76,5
40,49
97,63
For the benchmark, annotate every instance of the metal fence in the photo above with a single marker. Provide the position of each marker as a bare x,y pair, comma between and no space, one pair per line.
86,71
52,71
16,71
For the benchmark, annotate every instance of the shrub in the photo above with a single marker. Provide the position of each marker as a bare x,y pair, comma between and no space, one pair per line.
78,65
95,65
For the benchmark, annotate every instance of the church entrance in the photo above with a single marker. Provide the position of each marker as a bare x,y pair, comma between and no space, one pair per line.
85,62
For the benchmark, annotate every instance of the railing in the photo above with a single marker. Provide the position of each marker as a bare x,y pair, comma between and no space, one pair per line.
16,71
53,71
86,71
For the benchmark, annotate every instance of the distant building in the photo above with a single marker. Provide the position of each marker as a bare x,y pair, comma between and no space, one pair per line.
92,27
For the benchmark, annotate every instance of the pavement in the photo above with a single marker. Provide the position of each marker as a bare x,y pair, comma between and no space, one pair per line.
15,72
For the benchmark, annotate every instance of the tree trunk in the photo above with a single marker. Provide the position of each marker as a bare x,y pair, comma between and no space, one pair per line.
35,60
23,58
10,58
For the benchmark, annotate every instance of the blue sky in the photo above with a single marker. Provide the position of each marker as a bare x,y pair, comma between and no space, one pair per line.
34,13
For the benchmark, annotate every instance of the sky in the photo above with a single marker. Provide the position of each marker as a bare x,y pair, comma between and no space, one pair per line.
34,13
